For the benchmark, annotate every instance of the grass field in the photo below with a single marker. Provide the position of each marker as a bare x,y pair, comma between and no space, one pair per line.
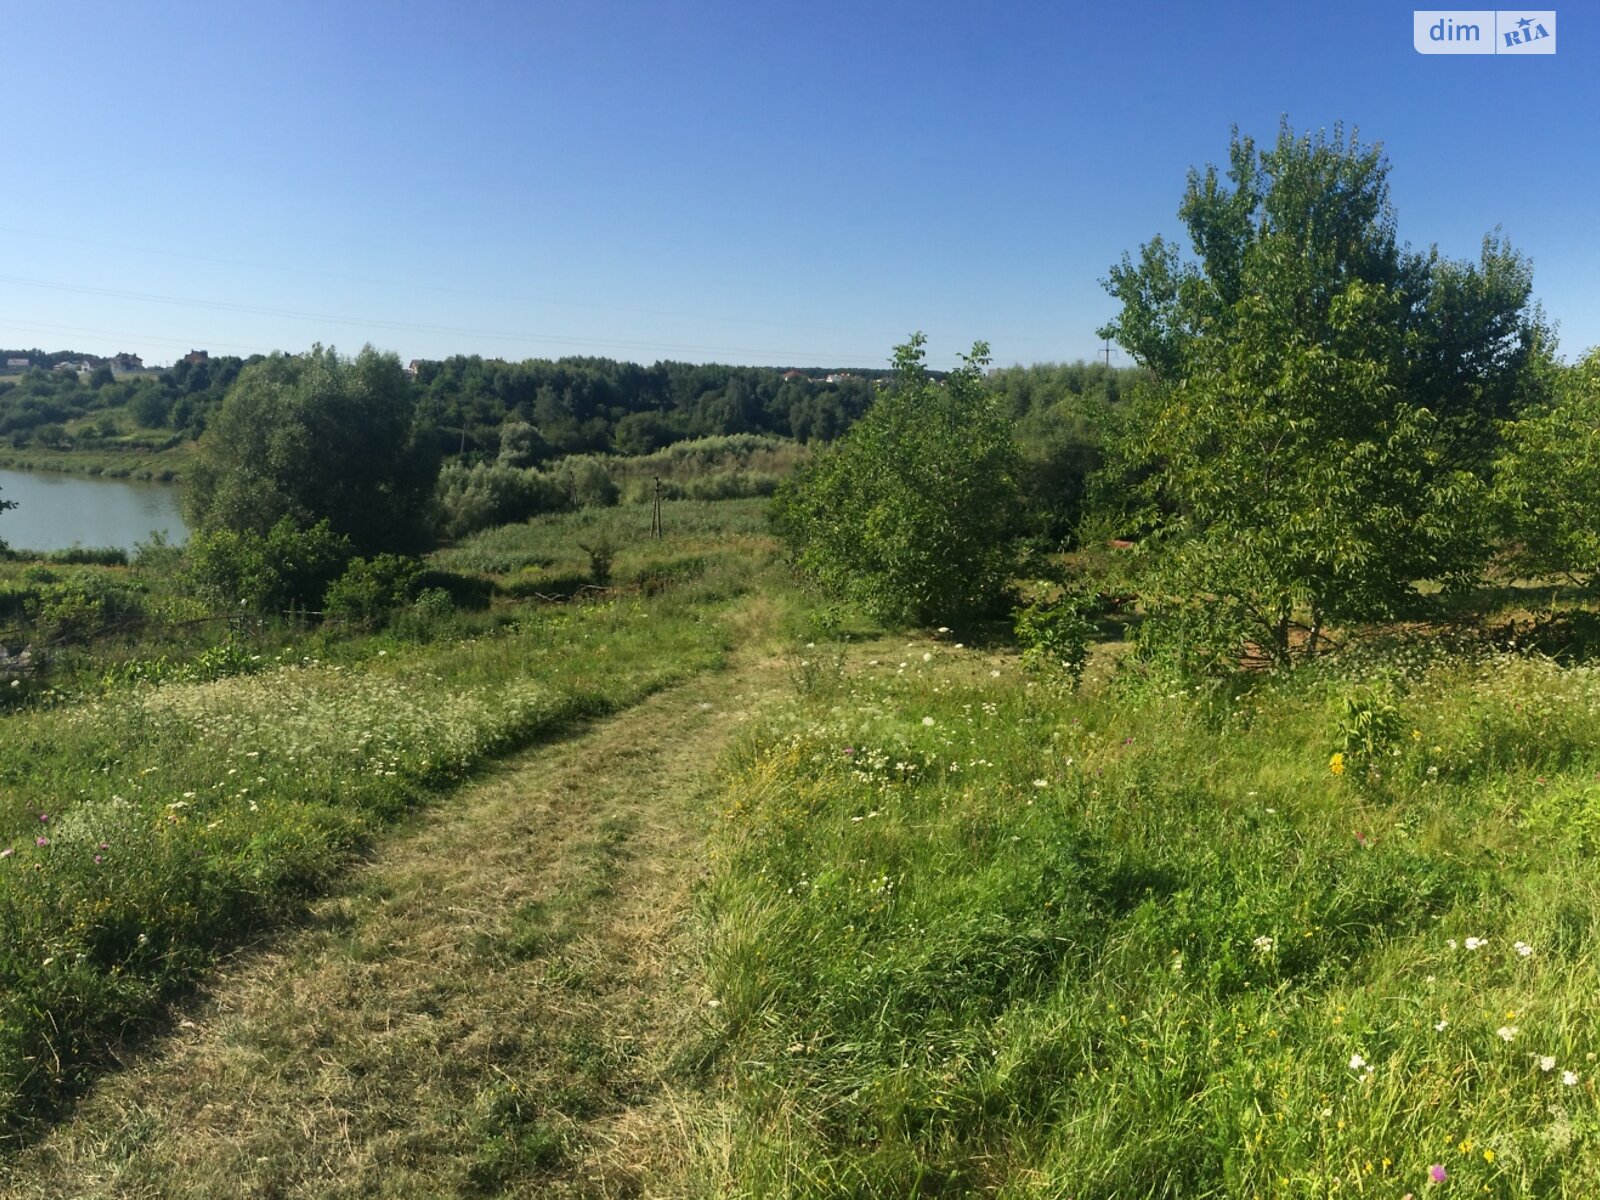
145,831
969,936
929,925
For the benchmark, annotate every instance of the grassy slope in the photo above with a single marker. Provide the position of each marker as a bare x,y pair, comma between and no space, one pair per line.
972,937
150,830
498,1003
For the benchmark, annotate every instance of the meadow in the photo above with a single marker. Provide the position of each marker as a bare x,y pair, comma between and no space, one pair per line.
1329,931
962,928
162,813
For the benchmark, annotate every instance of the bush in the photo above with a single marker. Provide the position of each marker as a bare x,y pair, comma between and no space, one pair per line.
914,514
1055,638
483,496
288,568
372,588
586,482
99,556
78,609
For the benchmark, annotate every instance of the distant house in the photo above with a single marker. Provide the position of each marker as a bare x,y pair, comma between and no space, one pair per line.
76,368
795,375
194,357
414,366
17,364
125,362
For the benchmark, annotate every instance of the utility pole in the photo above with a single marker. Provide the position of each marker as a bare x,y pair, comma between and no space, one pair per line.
1108,350
655,513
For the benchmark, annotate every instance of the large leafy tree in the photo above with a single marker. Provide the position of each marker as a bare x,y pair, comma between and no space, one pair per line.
316,437
1547,486
914,513
1313,440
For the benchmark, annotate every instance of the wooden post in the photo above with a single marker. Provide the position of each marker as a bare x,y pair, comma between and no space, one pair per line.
655,513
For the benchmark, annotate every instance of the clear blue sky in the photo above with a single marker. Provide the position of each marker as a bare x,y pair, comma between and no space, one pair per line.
714,181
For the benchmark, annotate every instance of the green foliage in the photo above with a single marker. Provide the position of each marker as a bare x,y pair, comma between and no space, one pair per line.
1289,460
316,437
1370,724
914,514
1547,481
287,568
586,482
1055,637
486,495
102,556
371,589
602,554
84,606
522,445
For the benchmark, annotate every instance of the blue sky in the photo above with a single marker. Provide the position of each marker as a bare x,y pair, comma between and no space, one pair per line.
714,181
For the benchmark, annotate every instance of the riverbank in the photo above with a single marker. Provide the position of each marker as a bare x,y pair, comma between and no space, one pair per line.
148,465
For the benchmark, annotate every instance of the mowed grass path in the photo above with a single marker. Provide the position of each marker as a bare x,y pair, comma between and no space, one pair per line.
496,1004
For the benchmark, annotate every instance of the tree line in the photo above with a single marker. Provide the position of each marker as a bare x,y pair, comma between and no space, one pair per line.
579,405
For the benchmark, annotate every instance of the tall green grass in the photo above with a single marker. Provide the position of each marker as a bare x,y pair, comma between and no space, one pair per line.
969,936
557,540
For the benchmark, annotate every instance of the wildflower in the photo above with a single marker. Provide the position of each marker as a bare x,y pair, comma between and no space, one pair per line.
41,841
927,656
944,629
994,674
1437,1173
1488,1156
1263,944
1357,1063
1041,783
1569,1078
1336,763
1523,949
1506,1032
927,720
1452,943
44,818
1473,943
1547,1063
7,852
1440,1025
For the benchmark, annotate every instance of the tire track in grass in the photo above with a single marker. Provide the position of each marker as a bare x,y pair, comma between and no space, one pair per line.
491,1006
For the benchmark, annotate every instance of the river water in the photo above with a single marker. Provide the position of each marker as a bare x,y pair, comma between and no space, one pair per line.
55,510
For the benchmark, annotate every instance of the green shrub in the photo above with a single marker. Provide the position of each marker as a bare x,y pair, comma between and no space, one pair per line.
288,568
914,513
1055,638
486,495
372,588
99,556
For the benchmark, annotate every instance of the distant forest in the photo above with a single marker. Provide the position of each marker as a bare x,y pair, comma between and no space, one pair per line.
576,405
